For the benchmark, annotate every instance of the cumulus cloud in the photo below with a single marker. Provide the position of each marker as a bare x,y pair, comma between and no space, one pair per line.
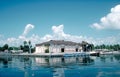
19,40
110,21
26,31
58,30
58,34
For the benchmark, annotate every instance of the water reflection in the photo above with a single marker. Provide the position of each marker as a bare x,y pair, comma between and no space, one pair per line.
26,66
63,61
58,65
53,66
111,58
4,60
117,57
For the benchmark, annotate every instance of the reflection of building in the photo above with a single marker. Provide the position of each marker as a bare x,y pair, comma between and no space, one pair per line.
57,46
59,61
59,64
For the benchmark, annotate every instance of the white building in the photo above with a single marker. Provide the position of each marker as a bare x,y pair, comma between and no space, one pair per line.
58,46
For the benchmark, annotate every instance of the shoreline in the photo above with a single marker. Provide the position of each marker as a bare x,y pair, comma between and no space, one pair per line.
70,54
52,54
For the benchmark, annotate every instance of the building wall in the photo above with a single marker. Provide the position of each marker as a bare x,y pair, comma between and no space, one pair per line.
40,49
57,48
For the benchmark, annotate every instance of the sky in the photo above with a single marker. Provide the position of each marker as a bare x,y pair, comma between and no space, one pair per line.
94,21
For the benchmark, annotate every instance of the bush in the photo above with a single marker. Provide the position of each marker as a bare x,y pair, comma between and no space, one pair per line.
47,51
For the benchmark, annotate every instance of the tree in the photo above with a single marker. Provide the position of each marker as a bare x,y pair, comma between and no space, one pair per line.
111,47
47,51
1,49
92,46
29,46
10,48
21,47
103,46
84,46
116,47
5,47
25,43
32,50
29,42
26,48
108,47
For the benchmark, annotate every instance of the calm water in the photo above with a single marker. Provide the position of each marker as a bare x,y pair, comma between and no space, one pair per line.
103,66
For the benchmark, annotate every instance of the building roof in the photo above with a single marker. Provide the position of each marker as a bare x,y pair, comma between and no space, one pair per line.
59,42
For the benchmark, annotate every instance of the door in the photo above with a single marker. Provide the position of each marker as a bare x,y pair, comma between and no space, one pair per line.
62,49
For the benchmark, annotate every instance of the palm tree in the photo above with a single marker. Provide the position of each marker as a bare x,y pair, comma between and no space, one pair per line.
84,45
29,46
25,43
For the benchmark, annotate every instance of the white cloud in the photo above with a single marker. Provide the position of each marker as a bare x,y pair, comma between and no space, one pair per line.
19,41
110,21
58,30
58,34
26,31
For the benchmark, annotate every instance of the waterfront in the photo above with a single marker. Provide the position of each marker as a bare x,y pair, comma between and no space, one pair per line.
103,66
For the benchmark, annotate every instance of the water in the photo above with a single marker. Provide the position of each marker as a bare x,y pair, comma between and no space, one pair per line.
103,66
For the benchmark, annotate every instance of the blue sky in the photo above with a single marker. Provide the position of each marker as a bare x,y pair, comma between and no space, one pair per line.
76,16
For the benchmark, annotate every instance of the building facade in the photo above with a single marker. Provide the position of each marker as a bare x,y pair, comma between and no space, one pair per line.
58,46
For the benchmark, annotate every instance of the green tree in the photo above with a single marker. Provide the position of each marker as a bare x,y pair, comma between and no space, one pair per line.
103,46
29,46
26,48
47,51
21,47
10,48
108,47
29,42
1,49
5,47
92,47
116,47
25,43
32,50
111,47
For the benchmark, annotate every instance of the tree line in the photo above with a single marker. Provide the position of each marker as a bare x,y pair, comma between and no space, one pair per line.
89,47
26,47
115,47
